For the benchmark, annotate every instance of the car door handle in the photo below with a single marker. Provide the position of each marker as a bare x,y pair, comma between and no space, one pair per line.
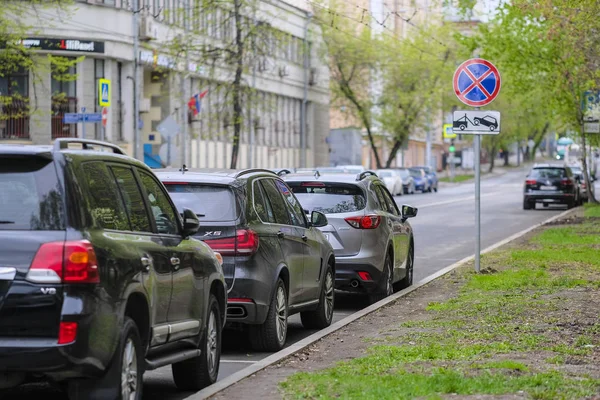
280,235
305,238
146,263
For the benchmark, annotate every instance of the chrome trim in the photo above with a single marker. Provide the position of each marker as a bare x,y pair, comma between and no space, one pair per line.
183,326
160,334
306,303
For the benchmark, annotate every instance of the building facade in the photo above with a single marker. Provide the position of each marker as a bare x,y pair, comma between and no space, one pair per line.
99,36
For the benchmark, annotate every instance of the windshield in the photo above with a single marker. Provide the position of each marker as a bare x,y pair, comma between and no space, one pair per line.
577,170
216,203
329,198
415,173
548,173
30,195
404,173
385,174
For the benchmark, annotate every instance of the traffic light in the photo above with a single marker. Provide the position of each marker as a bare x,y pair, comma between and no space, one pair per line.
452,148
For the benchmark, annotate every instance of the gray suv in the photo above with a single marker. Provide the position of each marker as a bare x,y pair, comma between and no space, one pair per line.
372,240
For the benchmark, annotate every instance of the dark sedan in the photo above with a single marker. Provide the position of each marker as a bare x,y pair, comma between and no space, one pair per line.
550,184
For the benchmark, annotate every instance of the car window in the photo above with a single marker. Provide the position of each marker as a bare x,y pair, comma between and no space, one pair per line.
391,204
212,202
133,200
294,208
280,210
329,198
548,173
165,216
380,197
105,204
262,205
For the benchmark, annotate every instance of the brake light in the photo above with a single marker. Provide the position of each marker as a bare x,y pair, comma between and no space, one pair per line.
364,275
244,243
531,181
240,300
366,222
67,332
312,184
567,182
64,262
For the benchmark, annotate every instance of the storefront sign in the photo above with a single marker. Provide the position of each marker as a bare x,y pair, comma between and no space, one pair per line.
84,46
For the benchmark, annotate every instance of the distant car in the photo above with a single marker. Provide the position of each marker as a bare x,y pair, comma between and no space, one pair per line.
392,180
584,193
408,182
370,235
275,260
488,121
420,179
352,169
550,184
432,177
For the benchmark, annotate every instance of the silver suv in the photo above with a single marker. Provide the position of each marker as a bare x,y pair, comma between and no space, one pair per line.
372,240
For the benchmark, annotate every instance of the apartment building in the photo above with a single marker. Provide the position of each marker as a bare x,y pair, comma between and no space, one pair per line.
99,35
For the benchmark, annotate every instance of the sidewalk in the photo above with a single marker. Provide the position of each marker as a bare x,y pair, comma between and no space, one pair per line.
527,327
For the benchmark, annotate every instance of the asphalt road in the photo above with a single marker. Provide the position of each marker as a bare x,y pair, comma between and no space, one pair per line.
444,233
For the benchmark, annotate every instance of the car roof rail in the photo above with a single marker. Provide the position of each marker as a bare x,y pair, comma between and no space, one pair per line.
283,172
253,170
63,143
364,174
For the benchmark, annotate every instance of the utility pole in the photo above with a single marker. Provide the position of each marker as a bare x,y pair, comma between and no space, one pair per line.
184,94
136,80
305,99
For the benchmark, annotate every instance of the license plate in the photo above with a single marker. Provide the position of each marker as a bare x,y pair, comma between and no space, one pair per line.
547,187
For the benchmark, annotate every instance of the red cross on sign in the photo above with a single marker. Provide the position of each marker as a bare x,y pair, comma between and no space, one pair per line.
476,82
104,116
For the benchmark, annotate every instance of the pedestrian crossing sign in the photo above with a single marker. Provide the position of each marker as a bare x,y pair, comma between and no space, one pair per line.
104,92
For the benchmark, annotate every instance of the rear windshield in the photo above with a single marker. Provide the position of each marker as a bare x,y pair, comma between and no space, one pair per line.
548,173
385,174
30,195
416,173
577,170
329,198
216,203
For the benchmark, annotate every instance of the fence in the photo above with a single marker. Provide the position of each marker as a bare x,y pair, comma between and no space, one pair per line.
60,106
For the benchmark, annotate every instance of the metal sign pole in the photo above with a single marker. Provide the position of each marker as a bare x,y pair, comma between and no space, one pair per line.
83,121
477,203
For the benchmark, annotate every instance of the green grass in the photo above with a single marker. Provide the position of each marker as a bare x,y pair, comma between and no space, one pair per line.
592,210
466,344
457,178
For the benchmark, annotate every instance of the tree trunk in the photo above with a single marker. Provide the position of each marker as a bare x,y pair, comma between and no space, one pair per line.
506,155
586,176
492,154
237,84
538,140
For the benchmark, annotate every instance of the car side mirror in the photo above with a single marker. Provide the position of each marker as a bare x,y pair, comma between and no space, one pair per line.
409,212
191,223
318,219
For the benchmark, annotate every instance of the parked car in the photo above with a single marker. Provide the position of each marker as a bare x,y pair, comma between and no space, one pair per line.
431,177
488,121
276,262
420,179
408,182
100,279
352,169
550,184
371,237
584,193
392,180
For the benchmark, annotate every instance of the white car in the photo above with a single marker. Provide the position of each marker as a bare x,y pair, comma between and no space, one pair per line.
392,180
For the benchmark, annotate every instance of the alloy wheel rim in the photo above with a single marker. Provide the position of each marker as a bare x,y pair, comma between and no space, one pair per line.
410,267
329,296
212,343
281,307
389,284
129,372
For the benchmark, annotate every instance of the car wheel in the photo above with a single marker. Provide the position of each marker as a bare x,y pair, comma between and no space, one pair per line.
435,189
407,281
322,316
197,373
271,335
527,205
476,122
492,128
386,284
124,379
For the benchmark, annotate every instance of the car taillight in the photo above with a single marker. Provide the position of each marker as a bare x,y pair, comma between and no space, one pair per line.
530,181
67,332
366,222
567,182
244,243
64,262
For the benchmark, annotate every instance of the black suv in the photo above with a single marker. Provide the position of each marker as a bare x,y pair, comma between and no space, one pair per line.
99,277
550,184
276,263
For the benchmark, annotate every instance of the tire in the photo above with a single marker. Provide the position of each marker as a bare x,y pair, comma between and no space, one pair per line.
197,373
435,189
386,284
323,315
407,281
527,205
492,128
127,365
271,335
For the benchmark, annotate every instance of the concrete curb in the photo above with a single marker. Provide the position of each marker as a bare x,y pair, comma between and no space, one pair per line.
302,344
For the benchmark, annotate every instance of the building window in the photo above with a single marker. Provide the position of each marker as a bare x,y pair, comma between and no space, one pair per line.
64,100
98,74
14,118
